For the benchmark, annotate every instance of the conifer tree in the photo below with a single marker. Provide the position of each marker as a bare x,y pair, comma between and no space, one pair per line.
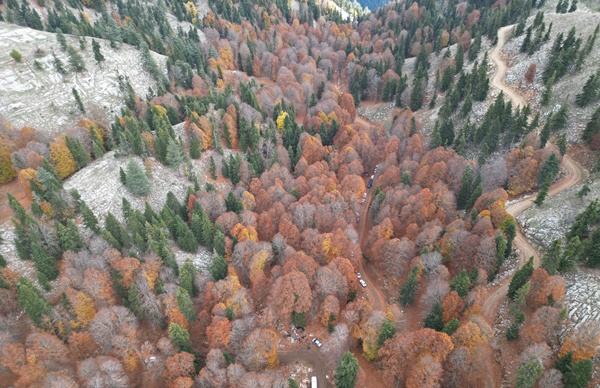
44,263
194,147
543,193
434,320
75,60
134,300
547,94
185,238
78,100
461,283
62,41
187,273
185,304
592,127
520,277
32,301
345,374
451,327
69,237
174,155
180,338
97,54
213,168
136,180
218,268
409,289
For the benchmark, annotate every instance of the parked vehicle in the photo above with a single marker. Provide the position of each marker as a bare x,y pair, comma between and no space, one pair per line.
362,202
358,275
362,283
313,382
317,342
371,181
365,194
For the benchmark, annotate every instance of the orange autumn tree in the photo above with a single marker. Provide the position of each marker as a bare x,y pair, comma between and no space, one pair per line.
583,342
293,294
63,160
400,352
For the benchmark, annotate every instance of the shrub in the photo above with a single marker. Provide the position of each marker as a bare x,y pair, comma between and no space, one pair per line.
16,55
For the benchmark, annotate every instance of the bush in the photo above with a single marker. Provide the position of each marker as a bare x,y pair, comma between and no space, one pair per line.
512,333
16,55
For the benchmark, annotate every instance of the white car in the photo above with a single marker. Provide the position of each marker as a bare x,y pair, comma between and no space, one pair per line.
365,194
362,283
362,202
317,342
358,275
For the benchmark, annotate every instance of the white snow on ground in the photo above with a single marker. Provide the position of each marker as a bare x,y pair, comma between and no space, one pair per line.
583,296
43,98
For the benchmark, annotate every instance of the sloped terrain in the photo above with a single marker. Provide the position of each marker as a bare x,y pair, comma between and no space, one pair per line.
43,98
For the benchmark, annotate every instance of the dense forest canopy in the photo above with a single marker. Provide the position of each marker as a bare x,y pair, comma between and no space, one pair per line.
255,118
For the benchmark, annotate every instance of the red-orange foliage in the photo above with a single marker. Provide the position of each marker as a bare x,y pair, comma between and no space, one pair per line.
179,365
452,306
545,289
399,353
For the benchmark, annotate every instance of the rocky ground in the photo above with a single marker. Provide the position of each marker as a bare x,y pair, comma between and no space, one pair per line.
565,90
43,98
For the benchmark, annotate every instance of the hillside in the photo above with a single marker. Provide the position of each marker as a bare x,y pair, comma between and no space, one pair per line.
42,97
260,194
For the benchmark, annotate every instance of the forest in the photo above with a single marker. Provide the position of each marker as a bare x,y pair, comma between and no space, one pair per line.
257,114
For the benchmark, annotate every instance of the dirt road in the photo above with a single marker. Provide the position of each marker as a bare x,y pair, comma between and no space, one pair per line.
498,79
312,356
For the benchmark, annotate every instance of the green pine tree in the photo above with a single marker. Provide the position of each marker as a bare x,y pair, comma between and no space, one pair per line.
69,237
32,301
552,257
520,277
75,60
451,327
187,274
528,373
78,100
434,319
345,374
97,54
387,331
44,263
461,283
136,180
186,306
180,338
218,268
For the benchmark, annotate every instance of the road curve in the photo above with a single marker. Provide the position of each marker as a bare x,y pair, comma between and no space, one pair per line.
498,79
573,175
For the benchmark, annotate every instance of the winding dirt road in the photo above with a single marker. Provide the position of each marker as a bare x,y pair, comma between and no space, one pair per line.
573,175
498,79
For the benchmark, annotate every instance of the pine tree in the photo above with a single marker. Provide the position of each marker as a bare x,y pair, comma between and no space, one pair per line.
69,237
75,60
526,42
97,54
136,180
562,144
475,194
451,327
180,338
31,299
461,284
416,96
465,188
59,66
520,277
194,147
186,306
218,268
592,127
529,372
447,132
547,94
44,263
233,204
460,58
78,100
213,168
345,374
590,91
62,41
188,273
434,320
409,289
174,155
543,193
134,300
552,257
387,331
185,239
